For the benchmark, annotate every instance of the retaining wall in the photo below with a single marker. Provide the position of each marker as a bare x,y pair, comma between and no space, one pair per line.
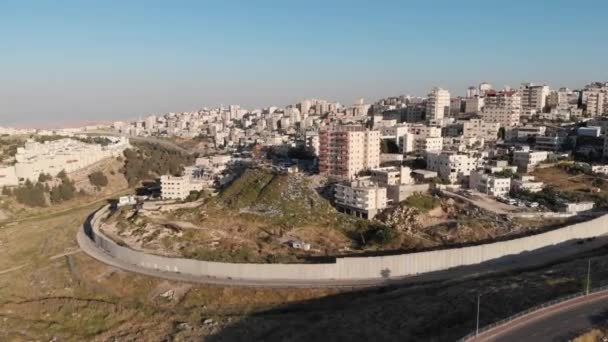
351,268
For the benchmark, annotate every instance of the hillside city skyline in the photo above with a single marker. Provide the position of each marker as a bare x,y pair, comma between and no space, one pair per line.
108,119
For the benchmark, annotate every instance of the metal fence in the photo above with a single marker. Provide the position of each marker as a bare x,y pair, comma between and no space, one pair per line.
531,310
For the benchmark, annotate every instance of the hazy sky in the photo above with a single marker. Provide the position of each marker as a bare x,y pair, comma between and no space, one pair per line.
76,61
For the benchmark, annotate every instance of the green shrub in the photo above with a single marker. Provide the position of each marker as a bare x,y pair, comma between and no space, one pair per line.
30,194
63,192
421,202
98,179
44,177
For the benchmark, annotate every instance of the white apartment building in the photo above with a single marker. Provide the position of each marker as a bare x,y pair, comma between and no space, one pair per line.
502,107
421,139
361,198
560,98
216,163
597,102
437,104
522,133
526,161
312,142
495,166
346,150
178,188
392,175
533,98
451,166
489,184
55,156
479,129
526,183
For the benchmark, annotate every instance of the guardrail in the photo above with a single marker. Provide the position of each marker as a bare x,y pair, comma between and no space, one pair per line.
533,309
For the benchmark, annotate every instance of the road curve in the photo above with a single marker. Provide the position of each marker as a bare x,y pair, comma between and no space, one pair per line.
560,322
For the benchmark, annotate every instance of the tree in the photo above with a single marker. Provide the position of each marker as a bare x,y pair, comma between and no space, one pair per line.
44,177
502,133
30,194
63,192
62,175
98,179
6,191
507,173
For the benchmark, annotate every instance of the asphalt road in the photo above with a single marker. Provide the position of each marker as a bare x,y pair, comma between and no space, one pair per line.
560,322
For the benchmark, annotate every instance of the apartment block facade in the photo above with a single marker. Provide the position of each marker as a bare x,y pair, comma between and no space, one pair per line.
362,198
346,150
502,107
437,104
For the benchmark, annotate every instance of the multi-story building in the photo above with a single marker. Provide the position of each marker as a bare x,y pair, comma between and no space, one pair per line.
473,104
526,183
451,166
523,133
502,107
595,99
179,188
312,142
490,184
479,129
597,103
362,198
548,143
437,104
392,175
52,157
344,151
526,161
533,98
560,98
421,139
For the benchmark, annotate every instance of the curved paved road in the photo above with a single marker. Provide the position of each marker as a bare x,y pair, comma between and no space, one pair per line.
560,322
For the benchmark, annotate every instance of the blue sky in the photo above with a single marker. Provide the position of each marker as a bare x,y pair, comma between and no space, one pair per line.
76,61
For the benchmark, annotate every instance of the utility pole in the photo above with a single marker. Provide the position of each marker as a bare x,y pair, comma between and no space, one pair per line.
588,277
478,305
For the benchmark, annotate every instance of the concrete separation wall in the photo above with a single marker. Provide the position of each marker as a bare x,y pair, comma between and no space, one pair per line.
348,268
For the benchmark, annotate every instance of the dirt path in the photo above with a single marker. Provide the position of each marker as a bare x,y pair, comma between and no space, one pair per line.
65,211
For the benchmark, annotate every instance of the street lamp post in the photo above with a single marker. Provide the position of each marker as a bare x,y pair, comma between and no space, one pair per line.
478,305
588,277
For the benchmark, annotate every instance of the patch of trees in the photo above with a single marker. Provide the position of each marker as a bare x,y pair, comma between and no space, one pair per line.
151,161
98,179
44,138
421,202
507,173
35,195
103,141
372,233
64,191
30,194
